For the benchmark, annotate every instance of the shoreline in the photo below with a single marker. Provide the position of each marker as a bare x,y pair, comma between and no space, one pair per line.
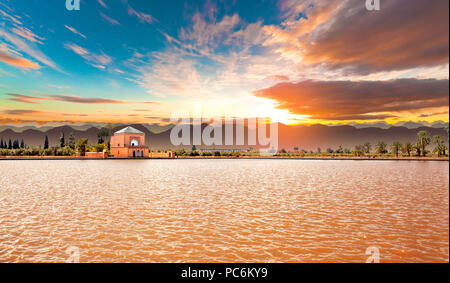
59,158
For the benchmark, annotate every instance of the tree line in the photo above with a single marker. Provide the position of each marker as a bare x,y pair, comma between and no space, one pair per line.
12,144
417,148
65,147
81,146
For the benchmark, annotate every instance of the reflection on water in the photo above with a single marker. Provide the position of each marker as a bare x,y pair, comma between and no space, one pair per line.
223,211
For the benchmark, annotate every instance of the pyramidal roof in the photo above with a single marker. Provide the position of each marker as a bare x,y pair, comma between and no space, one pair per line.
129,130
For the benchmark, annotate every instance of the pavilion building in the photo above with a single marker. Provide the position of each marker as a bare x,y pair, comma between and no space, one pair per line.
129,143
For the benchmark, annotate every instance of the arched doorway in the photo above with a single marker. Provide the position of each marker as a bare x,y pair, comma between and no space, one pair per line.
134,153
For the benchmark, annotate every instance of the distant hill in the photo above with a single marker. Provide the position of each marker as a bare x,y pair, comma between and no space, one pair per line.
158,128
409,125
303,137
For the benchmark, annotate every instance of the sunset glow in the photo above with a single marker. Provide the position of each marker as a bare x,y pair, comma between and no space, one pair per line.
295,61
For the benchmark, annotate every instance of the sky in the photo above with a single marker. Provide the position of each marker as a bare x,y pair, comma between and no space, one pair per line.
294,61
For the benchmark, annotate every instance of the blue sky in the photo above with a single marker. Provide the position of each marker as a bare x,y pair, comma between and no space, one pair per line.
132,60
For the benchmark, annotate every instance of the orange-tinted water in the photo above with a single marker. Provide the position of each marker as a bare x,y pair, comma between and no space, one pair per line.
223,211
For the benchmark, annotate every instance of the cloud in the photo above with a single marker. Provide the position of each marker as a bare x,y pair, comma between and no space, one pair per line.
27,34
75,31
29,50
110,20
207,35
64,98
152,102
18,61
17,112
433,114
24,98
77,49
59,86
404,34
143,18
10,17
81,100
99,61
224,57
211,58
363,100
279,78
102,3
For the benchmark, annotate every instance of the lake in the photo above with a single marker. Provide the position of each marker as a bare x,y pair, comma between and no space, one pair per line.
223,211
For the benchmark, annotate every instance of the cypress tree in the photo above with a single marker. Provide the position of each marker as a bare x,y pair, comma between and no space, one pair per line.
62,142
22,144
16,144
46,142
72,141
1,143
9,144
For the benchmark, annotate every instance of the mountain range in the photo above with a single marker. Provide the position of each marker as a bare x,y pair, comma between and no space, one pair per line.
289,137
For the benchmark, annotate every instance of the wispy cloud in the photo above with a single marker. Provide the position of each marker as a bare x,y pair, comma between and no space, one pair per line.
109,19
216,53
82,100
102,3
143,17
64,98
19,112
59,86
14,19
18,61
99,61
75,31
28,49
27,34
25,98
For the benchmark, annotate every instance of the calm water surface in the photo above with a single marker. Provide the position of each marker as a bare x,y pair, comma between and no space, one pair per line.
224,211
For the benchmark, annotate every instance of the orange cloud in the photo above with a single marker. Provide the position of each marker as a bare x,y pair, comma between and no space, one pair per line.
18,61
404,34
279,78
363,100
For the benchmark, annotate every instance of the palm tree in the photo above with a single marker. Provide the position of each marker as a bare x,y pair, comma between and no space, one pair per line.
367,148
72,140
359,150
423,140
82,146
62,141
408,148
102,135
440,148
396,147
417,149
381,147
